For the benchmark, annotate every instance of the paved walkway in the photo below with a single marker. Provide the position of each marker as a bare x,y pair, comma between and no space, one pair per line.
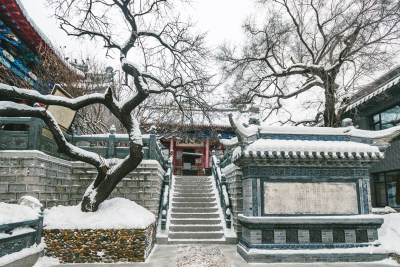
213,255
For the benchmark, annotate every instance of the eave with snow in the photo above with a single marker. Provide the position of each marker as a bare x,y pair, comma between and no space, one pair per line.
304,143
21,32
375,89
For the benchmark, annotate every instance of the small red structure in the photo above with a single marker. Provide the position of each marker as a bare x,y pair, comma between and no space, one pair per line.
192,147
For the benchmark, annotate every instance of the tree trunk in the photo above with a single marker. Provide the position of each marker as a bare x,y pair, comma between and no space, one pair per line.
93,197
330,119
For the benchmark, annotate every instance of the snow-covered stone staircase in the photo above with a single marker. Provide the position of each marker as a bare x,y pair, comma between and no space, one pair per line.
194,212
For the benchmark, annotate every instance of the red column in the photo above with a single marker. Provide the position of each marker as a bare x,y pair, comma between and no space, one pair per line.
171,149
171,144
207,153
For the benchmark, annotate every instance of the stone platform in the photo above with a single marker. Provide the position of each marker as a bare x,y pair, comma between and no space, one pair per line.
365,254
311,239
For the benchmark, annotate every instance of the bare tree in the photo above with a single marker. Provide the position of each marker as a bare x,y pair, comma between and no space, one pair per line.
172,60
323,46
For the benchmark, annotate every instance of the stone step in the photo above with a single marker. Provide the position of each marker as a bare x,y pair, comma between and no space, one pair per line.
193,187
191,191
174,241
194,222
185,199
193,180
193,184
194,210
193,177
195,228
194,204
195,215
164,240
193,195
196,235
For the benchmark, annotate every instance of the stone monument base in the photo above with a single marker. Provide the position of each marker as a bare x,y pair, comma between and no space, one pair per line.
362,254
311,239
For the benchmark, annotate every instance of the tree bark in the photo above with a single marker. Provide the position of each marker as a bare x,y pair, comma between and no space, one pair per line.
330,118
91,201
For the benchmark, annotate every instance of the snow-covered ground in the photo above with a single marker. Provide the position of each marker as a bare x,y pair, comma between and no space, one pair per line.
12,213
112,214
46,262
389,233
123,213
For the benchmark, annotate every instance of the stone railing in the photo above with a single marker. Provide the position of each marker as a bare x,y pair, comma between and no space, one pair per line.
166,192
221,187
18,238
226,159
31,134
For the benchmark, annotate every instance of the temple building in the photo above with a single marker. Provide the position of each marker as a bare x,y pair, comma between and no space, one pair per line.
377,107
192,146
27,57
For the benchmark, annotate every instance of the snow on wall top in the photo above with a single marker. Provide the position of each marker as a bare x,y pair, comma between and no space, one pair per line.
248,131
116,213
309,142
269,148
13,213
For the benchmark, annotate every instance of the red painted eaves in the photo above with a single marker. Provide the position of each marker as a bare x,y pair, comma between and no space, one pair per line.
12,15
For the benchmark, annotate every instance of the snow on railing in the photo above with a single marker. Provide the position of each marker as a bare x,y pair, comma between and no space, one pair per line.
168,176
108,145
17,236
222,190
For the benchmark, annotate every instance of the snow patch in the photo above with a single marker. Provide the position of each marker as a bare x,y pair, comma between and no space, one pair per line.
46,262
31,202
17,231
116,213
384,210
389,233
13,213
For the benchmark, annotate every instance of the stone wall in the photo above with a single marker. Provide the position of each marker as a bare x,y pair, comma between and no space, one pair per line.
233,176
56,181
94,245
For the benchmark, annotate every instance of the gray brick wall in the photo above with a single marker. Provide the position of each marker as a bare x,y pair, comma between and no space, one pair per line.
56,181
234,184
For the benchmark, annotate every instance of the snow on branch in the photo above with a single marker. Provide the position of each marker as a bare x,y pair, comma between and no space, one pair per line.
12,109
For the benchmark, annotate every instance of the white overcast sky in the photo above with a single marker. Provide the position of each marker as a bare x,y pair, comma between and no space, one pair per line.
222,19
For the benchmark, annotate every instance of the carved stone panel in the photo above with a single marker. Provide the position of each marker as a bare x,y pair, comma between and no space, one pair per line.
11,141
281,198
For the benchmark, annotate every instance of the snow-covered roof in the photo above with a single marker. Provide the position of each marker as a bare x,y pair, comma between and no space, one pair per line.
262,141
303,149
381,85
211,118
33,36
